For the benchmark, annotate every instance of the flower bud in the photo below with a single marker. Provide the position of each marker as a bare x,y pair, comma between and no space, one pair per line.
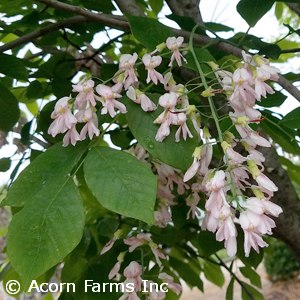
197,152
225,146
206,133
161,47
253,168
213,65
208,93
229,137
258,193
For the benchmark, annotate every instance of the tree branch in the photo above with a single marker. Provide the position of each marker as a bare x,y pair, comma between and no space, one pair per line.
119,22
116,22
186,8
130,7
294,7
41,32
288,223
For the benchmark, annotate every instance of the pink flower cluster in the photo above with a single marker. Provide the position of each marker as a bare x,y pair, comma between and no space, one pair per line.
243,87
134,270
67,114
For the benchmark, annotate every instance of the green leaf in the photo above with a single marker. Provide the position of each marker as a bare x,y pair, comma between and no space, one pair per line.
56,162
253,10
270,50
149,32
53,211
216,27
13,67
143,129
275,99
156,5
292,119
37,234
104,6
281,134
4,164
249,273
203,56
25,133
9,112
186,272
229,291
121,183
250,293
213,273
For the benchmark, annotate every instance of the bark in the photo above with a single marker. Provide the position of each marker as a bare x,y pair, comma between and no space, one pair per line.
288,223
188,8
295,7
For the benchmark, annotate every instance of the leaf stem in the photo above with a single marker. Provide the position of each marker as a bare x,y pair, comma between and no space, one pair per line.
212,105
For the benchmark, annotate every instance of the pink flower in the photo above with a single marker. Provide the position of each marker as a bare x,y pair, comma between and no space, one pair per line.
168,100
138,240
140,98
174,44
151,62
252,235
133,274
63,118
86,96
72,136
209,222
266,183
127,62
163,131
115,270
183,128
163,215
91,127
108,100
226,230
217,182
261,206
153,293
192,201
175,287
110,243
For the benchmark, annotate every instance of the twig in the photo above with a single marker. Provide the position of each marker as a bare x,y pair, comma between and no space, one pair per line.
120,22
117,22
41,32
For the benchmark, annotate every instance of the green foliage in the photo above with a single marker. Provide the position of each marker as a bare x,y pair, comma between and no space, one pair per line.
9,112
121,183
253,10
279,261
4,164
13,67
158,33
292,119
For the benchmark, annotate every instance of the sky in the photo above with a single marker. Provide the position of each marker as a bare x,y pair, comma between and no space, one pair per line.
221,11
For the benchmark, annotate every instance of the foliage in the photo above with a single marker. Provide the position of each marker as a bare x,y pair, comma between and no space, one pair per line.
280,262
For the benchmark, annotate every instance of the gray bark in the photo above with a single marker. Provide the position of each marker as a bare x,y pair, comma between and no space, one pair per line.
188,8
